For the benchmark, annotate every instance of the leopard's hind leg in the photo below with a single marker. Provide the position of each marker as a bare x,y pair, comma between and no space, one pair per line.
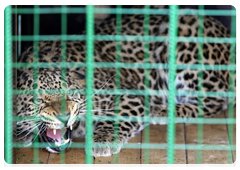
185,110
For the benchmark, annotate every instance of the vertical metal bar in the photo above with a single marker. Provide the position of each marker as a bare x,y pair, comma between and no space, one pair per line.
35,77
173,20
63,70
118,73
146,82
89,83
15,28
8,84
19,35
231,85
17,55
200,83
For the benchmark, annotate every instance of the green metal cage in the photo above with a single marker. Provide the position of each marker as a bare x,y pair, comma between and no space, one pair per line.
173,39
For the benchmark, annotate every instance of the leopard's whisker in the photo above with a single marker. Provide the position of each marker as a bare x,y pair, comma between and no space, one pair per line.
29,126
39,131
43,130
20,132
29,132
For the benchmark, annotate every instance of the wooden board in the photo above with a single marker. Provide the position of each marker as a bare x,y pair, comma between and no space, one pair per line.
158,135
213,134
235,138
72,155
126,156
26,156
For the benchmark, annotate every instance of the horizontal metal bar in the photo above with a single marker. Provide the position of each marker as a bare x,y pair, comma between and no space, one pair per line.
153,120
49,37
50,65
128,92
207,12
138,146
123,38
80,10
48,10
124,65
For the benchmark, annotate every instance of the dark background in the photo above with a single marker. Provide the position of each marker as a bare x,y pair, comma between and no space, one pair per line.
50,24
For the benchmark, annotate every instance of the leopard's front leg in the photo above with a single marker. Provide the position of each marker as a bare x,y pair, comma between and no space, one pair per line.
109,140
103,139
109,137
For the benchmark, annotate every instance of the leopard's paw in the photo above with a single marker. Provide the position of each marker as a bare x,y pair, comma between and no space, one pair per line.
103,145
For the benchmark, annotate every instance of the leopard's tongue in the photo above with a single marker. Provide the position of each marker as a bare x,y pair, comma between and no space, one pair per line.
57,136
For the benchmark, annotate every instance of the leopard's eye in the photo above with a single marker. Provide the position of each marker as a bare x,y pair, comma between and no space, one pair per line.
38,101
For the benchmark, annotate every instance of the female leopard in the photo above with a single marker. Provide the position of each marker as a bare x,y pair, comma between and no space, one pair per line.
52,122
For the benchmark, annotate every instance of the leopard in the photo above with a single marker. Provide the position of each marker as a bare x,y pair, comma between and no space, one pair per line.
44,116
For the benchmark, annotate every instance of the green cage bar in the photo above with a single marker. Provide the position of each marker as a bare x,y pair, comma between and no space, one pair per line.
36,26
125,38
117,73
200,83
63,70
8,85
152,146
134,92
171,86
89,81
232,79
90,65
128,11
146,82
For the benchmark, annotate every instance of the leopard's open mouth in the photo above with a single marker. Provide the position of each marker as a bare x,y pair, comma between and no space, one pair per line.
56,139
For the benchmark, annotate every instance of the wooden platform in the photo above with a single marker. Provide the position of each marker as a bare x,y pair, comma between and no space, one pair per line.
185,134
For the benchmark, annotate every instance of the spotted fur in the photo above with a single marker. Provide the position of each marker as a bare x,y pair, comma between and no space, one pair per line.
131,78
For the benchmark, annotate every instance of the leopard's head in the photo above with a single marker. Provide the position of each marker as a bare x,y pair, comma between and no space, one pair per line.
50,113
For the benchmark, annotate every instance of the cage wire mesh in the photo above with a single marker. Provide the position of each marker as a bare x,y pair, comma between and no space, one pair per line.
172,39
